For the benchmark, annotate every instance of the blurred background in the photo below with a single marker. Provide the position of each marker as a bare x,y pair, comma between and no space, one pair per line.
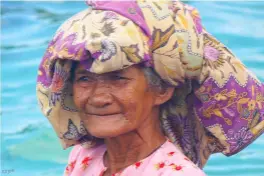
29,145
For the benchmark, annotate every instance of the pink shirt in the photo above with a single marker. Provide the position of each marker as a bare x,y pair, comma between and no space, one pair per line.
168,160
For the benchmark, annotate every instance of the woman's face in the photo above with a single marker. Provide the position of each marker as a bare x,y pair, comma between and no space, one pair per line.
115,103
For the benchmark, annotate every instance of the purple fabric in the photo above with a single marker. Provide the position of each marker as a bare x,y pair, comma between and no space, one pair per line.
231,107
128,9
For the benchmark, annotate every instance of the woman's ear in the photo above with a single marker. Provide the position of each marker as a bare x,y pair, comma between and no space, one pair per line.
164,95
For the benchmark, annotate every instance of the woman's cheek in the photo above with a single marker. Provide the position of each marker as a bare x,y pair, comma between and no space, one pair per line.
129,102
80,96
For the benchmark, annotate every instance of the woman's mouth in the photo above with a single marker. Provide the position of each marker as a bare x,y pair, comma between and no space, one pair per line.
100,115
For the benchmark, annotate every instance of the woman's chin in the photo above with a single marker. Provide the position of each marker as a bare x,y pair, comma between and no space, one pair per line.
107,132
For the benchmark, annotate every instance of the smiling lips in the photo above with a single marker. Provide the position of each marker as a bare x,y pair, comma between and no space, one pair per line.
102,115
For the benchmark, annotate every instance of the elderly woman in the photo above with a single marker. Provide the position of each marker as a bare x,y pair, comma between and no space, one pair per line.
140,88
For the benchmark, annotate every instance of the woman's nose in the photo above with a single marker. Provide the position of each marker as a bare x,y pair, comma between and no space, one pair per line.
100,100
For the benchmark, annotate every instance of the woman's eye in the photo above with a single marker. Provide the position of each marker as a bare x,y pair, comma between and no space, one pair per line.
84,79
116,77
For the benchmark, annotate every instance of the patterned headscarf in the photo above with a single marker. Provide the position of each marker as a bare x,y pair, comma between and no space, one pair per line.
217,106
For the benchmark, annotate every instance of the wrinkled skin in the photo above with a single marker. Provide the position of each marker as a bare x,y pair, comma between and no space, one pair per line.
123,109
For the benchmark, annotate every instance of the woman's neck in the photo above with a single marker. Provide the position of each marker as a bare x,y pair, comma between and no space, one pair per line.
134,146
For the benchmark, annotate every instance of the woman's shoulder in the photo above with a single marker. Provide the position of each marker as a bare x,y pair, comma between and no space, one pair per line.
80,157
177,163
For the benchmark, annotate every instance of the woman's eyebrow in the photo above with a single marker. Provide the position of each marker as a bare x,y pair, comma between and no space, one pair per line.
117,72
81,71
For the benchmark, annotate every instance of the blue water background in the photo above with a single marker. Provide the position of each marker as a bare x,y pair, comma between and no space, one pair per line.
29,145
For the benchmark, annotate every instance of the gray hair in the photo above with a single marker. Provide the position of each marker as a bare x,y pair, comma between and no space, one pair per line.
153,79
